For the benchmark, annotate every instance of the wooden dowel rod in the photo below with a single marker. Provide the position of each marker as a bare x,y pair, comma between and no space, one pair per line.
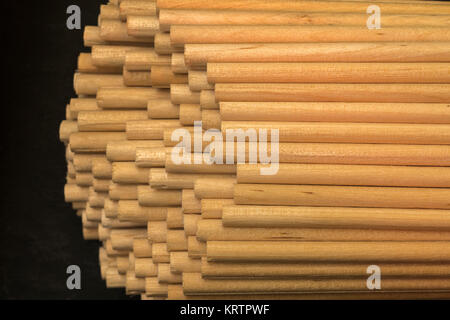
83,162
190,224
93,142
142,26
129,97
130,210
110,56
176,240
74,193
116,31
332,92
157,231
348,132
82,104
127,172
89,83
84,179
322,251
199,168
303,6
122,239
134,285
175,218
66,128
177,63
243,270
110,208
162,109
123,191
91,36
324,217
190,203
352,175
190,113
211,119
208,100
154,197
166,276
180,262
215,188
175,292
87,65
149,129
194,284
167,18
137,78
101,168
101,185
160,253
109,11
137,8
163,44
342,196
114,279
161,179
126,150
199,80
335,112
196,249
212,208
324,72
151,157
143,59
107,120
163,77
142,248
180,93
198,55
206,34
154,288
213,230
144,267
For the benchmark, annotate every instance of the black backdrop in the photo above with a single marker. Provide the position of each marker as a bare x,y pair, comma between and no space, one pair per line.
40,234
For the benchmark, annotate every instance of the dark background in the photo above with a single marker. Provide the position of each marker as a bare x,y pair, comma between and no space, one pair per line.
40,234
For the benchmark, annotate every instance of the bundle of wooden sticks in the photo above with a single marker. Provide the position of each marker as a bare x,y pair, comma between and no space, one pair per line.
362,118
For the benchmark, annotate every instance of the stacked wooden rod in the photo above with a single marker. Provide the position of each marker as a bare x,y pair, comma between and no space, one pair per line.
363,122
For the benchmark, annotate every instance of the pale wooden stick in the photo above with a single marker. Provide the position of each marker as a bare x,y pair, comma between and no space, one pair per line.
303,6
109,11
101,185
212,208
190,203
157,231
163,44
130,210
110,208
213,230
154,288
127,172
108,120
181,262
177,63
215,188
335,112
369,251
142,248
332,92
208,100
136,8
123,192
154,197
353,175
198,55
190,224
194,284
163,77
66,128
176,240
128,97
116,31
87,65
114,279
160,253
149,129
161,179
167,18
84,179
143,59
180,93
110,56
166,276
144,267
175,218
190,113
83,162
137,78
82,104
93,142
333,217
101,168
162,109
142,26
151,157
196,249
126,150
122,239
206,34
134,285
211,119
342,196
324,72
89,83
